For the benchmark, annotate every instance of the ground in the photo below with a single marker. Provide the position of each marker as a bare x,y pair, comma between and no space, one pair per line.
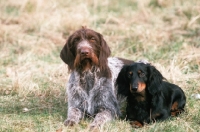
33,77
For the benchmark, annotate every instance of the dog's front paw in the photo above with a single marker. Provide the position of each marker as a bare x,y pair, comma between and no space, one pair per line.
94,128
69,123
136,124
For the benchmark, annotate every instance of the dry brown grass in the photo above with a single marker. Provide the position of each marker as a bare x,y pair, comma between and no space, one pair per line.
32,33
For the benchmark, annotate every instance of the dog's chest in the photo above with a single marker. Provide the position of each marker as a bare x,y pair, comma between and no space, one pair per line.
87,80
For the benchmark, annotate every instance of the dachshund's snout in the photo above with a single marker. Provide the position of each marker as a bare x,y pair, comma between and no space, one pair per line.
134,89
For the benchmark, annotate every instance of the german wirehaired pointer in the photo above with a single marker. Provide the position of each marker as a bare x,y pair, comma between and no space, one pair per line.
90,88
149,96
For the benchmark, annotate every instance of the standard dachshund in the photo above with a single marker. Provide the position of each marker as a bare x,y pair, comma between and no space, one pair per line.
90,89
149,96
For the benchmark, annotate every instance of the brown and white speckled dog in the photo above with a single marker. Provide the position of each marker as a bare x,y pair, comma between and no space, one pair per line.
90,87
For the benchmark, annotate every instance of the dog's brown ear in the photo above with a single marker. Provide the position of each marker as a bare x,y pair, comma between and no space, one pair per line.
105,49
67,56
103,55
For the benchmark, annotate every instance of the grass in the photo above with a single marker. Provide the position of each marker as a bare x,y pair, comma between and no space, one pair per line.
33,77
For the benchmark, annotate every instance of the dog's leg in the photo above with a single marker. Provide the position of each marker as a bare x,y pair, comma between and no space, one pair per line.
136,124
100,119
177,107
74,116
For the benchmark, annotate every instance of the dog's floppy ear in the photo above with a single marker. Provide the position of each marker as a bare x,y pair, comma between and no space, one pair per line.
103,55
66,54
105,50
155,79
122,82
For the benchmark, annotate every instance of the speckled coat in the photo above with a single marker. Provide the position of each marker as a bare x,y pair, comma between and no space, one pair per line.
92,94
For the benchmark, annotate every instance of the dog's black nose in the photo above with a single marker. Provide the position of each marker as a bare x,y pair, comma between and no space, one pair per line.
134,89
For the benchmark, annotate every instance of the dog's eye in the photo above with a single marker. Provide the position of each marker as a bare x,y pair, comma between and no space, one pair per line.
76,40
92,39
142,74
130,74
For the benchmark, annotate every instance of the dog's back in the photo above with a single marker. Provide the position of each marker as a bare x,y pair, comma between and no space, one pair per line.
174,96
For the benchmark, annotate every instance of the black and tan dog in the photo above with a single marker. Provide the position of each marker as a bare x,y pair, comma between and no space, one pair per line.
149,96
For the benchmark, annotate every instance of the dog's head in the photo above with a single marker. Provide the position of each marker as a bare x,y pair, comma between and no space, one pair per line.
85,48
137,78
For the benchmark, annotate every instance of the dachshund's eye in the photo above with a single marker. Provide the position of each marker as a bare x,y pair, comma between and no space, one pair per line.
141,74
130,74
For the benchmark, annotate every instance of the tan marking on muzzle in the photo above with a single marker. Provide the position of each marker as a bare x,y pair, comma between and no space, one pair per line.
141,87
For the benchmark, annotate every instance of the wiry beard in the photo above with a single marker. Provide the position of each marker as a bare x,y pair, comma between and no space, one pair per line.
83,63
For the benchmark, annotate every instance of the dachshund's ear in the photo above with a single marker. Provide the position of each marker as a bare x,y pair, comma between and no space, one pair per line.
67,56
155,80
122,82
